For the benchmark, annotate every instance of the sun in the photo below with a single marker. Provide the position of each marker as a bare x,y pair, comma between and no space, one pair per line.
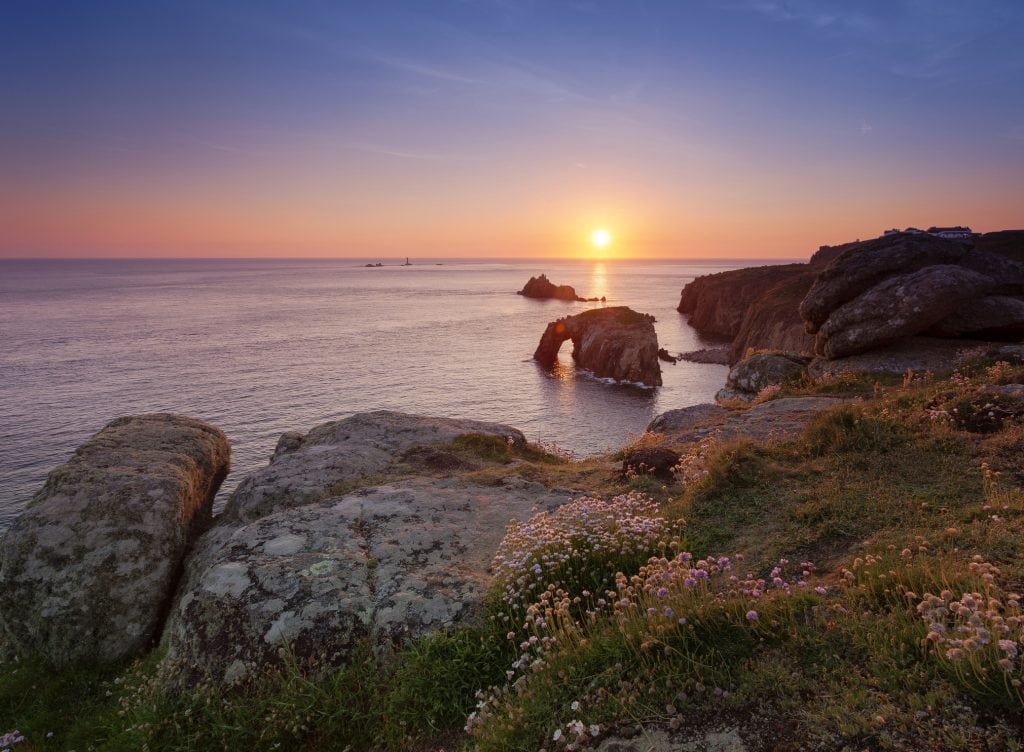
601,238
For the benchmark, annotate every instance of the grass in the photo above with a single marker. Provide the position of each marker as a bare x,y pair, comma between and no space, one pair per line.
414,698
55,708
893,499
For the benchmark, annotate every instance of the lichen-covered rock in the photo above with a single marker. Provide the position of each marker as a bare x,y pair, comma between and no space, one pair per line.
916,354
866,264
383,563
777,419
686,418
336,455
727,395
1008,273
765,369
899,307
615,342
998,317
88,569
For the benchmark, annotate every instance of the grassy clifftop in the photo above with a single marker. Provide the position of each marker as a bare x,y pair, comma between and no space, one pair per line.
857,587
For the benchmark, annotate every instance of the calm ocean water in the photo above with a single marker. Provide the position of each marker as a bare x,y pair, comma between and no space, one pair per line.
261,347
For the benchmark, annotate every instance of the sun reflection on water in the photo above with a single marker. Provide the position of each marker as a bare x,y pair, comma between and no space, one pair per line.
599,281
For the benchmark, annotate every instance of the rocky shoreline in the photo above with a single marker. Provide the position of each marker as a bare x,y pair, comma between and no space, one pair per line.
372,526
382,529
851,299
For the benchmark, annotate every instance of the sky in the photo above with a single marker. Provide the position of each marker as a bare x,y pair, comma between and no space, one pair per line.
503,128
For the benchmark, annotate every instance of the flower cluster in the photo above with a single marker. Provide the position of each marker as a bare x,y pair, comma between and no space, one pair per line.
958,379
666,582
577,547
574,732
988,621
937,413
999,372
9,739
693,465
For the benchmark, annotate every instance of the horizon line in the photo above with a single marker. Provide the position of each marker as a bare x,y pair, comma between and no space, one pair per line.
423,261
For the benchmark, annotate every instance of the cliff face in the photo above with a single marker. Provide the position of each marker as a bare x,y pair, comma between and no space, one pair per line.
776,307
772,321
1008,243
755,307
717,303
906,284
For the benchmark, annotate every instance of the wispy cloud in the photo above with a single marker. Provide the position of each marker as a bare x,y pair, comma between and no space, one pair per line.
387,151
120,149
421,69
815,13
865,127
931,60
219,146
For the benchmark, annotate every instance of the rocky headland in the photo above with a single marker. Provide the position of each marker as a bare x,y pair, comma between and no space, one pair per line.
858,297
393,581
381,545
616,343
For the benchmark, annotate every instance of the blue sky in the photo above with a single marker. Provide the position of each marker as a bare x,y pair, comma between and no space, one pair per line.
504,128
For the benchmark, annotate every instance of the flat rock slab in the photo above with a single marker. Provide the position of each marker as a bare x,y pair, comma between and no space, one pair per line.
321,463
918,354
711,355
685,418
89,568
780,419
385,563
658,740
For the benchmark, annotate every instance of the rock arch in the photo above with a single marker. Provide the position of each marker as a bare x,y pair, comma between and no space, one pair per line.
614,342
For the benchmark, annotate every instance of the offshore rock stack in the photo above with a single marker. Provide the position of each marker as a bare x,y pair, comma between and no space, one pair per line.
616,343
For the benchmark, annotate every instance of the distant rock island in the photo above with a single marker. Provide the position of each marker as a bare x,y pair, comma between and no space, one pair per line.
616,343
542,288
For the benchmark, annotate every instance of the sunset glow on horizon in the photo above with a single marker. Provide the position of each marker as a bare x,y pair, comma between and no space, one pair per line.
721,128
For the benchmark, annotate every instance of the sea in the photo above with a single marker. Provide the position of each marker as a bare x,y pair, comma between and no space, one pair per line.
259,347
